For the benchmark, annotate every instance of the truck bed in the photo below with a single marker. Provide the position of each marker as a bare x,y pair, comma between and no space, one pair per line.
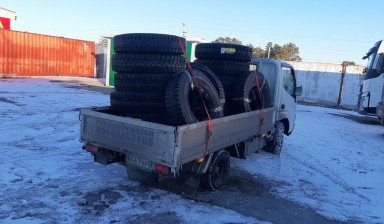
168,145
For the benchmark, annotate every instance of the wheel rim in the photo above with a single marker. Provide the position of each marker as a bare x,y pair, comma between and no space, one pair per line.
196,104
219,171
255,102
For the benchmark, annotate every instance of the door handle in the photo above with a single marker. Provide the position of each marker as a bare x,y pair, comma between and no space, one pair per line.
283,106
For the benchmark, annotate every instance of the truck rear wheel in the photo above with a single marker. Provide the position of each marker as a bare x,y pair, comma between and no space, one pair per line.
275,145
218,171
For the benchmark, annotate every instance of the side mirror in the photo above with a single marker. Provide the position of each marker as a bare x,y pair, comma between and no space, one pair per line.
365,70
299,91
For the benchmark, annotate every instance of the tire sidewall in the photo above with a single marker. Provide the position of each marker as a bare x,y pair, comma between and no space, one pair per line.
278,138
177,103
220,156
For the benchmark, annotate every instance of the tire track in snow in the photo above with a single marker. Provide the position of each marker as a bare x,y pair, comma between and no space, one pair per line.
327,173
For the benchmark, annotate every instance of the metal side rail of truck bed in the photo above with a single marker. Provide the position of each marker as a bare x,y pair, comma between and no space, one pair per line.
145,144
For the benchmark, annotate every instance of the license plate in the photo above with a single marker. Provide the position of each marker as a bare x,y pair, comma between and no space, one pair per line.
139,162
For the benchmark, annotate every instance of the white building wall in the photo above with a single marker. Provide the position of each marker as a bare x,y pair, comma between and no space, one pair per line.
9,14
321,83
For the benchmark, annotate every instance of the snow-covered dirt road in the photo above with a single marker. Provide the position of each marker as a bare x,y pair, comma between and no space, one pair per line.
331,170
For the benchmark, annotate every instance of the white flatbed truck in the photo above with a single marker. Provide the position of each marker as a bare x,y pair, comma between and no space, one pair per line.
168,150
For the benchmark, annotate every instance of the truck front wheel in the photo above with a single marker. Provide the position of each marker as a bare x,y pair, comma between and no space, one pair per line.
218,171
275,145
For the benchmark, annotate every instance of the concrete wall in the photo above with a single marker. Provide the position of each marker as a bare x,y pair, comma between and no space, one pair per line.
101,55
321,83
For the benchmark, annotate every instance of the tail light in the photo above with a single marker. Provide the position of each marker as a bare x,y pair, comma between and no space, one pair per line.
89,148
162,169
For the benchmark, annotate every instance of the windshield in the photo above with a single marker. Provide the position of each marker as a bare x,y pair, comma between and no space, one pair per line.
371,60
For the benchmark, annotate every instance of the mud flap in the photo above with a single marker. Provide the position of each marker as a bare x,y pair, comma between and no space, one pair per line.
106,157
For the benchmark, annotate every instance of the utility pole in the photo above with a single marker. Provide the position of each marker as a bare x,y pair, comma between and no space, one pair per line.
269,51
341,84
184,31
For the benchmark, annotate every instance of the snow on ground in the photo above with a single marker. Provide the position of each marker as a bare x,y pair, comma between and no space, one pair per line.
46,177
330,163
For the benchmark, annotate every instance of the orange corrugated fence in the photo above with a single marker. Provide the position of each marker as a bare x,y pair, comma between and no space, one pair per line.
29,54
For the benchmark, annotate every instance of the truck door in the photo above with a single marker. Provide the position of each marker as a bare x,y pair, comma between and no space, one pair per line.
371,94
288,96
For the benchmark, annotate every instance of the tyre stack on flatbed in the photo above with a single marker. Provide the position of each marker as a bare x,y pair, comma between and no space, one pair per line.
231,64
144,64
153,84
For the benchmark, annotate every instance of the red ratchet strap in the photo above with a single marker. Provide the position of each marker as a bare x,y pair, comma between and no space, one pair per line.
261,99
209,121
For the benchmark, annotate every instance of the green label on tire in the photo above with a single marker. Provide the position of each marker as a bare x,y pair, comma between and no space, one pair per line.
225,50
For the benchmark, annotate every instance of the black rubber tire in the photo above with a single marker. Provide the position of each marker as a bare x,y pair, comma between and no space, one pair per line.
215,51
153,117
183,102
245,94
228,81
220,67
145,83
137,102
218,171
213,78
275,145
148,43
147,63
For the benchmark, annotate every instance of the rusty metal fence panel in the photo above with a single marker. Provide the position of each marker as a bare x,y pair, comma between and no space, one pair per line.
29,54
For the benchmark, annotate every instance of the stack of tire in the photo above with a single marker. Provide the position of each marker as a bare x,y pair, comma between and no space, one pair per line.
144,64
231,65
152,82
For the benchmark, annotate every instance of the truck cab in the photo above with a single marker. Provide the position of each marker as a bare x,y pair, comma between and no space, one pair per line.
372,90
284,89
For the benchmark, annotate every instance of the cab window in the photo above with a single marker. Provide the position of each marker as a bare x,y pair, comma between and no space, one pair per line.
269,71
289,80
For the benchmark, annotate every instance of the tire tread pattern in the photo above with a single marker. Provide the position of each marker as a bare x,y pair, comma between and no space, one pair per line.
146,83
137,102
147,63
214,51
148,43
220,67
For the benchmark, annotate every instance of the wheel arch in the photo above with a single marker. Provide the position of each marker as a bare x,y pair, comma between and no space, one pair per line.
285,121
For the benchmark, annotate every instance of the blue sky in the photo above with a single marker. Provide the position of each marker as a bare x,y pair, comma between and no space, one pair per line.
328,31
